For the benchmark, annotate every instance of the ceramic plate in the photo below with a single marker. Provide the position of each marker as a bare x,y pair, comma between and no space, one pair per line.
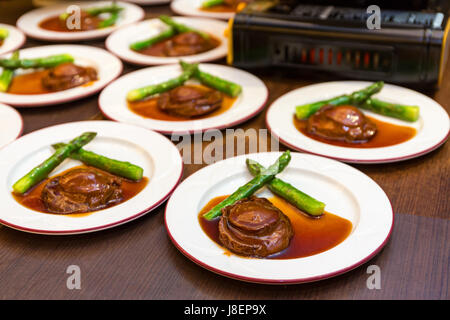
432,127
346,192
11,124
192,8
113,104
14,41
107,65
153,152
29,22
119,42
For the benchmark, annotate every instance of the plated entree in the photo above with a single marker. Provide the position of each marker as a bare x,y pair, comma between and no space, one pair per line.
176,40
289,225
99,183
341,122
48,74
176,100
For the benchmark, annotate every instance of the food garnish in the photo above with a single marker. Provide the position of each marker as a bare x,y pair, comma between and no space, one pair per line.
59,73
252,186
181,28
355,98
144,92
43,62
7,74
394,110
211,3
121,168
230,88
362,99
288,192
190,70
173,29
4,33
163,35
39,173
74,150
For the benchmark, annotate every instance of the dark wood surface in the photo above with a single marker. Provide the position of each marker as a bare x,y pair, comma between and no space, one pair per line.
138,261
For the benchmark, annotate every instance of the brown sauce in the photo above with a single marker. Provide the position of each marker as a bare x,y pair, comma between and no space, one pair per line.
148,108
87,22
158,49
28,83
1,42
220,8
32,198
311,235
388,134
31,83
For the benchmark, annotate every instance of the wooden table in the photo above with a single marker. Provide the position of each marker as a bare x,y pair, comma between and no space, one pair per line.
138,261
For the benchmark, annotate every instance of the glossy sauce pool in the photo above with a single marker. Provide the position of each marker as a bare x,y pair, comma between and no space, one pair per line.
54,24
388,134
311,235
28,83
148,108
32,199
31,83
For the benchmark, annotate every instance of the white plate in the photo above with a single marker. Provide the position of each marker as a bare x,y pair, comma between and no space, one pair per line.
107,65
14,41
119,41
158,157
432,127
11,124
29,22
346,191
251,101
192,8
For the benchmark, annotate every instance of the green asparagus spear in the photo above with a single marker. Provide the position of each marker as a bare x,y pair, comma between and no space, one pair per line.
252,186
110,21
40,172
4,33
288,192
141,93
180,28
119,168
211,3
44,62
229,88
95,11
403,112
151,41
63,16
355,98
7,74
